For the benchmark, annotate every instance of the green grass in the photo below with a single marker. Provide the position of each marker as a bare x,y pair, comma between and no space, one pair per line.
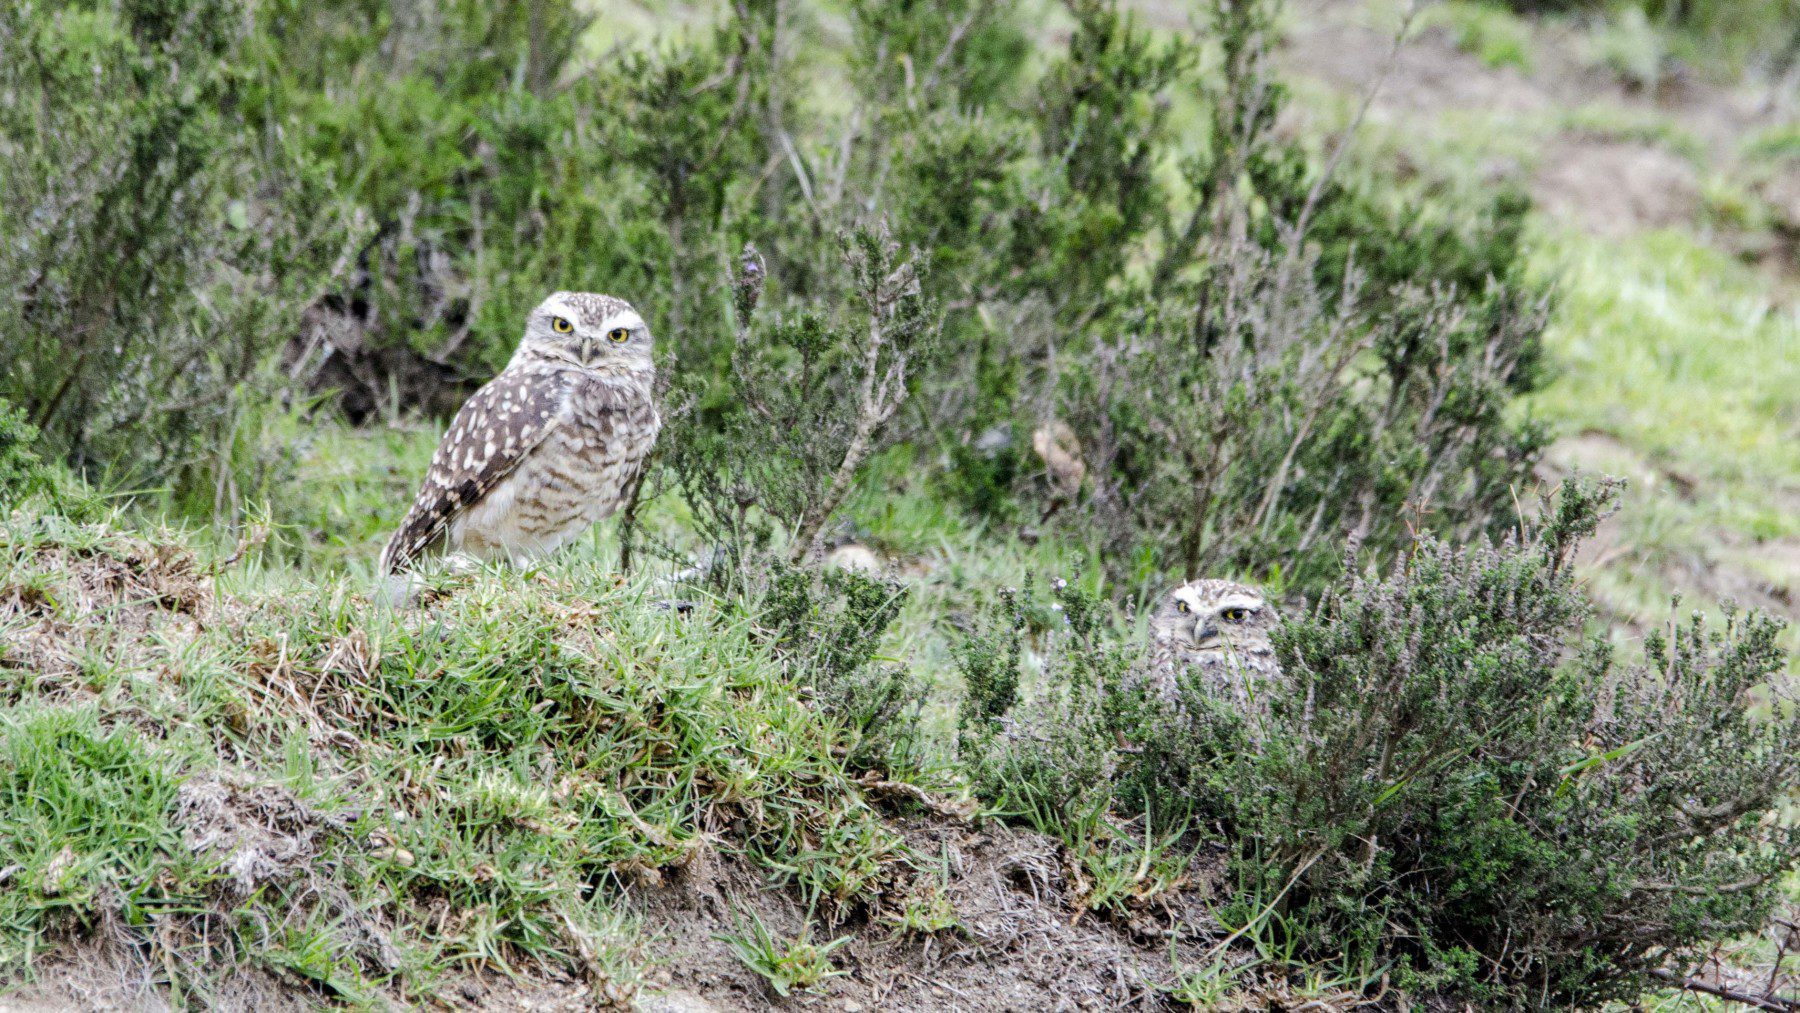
786,964
1494,35
1620,123
1683,372
83,813
482,778
1681,353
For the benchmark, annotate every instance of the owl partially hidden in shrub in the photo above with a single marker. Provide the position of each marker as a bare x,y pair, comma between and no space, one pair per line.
1213,635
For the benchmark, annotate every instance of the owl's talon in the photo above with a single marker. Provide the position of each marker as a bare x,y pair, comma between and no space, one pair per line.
460,564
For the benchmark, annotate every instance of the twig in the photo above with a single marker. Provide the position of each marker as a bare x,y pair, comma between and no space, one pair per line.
628,518
1343,142
1785,941
873,784
1772,1003
876,401
957,32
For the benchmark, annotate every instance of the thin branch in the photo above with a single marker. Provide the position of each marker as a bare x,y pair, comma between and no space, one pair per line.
1772,1003
1343,142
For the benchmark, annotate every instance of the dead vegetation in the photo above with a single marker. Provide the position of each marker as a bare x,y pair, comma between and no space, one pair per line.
257,833
75,590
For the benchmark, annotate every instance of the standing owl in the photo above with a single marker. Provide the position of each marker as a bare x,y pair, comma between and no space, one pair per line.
548,447
1213,635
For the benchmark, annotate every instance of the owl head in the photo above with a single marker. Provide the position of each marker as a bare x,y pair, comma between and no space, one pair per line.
587,330
1203,616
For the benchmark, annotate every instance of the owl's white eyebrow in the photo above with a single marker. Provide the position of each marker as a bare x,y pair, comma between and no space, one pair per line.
1238,601
628,320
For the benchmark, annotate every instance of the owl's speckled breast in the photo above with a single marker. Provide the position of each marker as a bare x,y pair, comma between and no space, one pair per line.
579,475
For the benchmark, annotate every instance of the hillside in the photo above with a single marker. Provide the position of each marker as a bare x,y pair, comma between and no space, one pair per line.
979,330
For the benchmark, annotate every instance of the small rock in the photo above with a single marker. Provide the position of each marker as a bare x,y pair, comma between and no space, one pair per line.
856,557
994,439
675,1002
57,871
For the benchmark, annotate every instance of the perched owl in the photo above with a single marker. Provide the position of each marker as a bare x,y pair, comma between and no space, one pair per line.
1214,635
548,447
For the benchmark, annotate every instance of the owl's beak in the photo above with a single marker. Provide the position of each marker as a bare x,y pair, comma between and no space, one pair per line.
1205,631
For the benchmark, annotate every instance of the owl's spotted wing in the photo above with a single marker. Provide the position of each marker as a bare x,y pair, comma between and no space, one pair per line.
491,435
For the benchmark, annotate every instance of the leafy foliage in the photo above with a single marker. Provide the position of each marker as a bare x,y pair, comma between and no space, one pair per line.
21,471
1308,363
779,442
1538,822
830,625
1454,782
1051,757
155,254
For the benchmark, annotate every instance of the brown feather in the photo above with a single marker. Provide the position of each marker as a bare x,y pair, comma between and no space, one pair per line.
495,430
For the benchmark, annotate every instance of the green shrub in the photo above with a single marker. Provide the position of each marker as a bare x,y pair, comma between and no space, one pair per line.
1451,782
154,256
487,161
1311,363
21,470
1044,752
830,626
778,443
1457,783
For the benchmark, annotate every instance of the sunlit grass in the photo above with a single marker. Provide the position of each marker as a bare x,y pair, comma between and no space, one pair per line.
1683,355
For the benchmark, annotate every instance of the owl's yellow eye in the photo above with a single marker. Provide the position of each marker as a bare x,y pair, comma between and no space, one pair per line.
1234,615
561,326
618,334
1182,607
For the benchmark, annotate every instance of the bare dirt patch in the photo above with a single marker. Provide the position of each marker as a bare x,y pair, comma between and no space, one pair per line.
1608,185
1021,942
1612,188
65,597
260,832
103,975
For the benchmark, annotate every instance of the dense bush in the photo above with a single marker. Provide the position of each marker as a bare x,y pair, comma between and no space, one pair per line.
829,627
1304,360
1293,358
1048,756
1309,363
780,440
153,258
1453,781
